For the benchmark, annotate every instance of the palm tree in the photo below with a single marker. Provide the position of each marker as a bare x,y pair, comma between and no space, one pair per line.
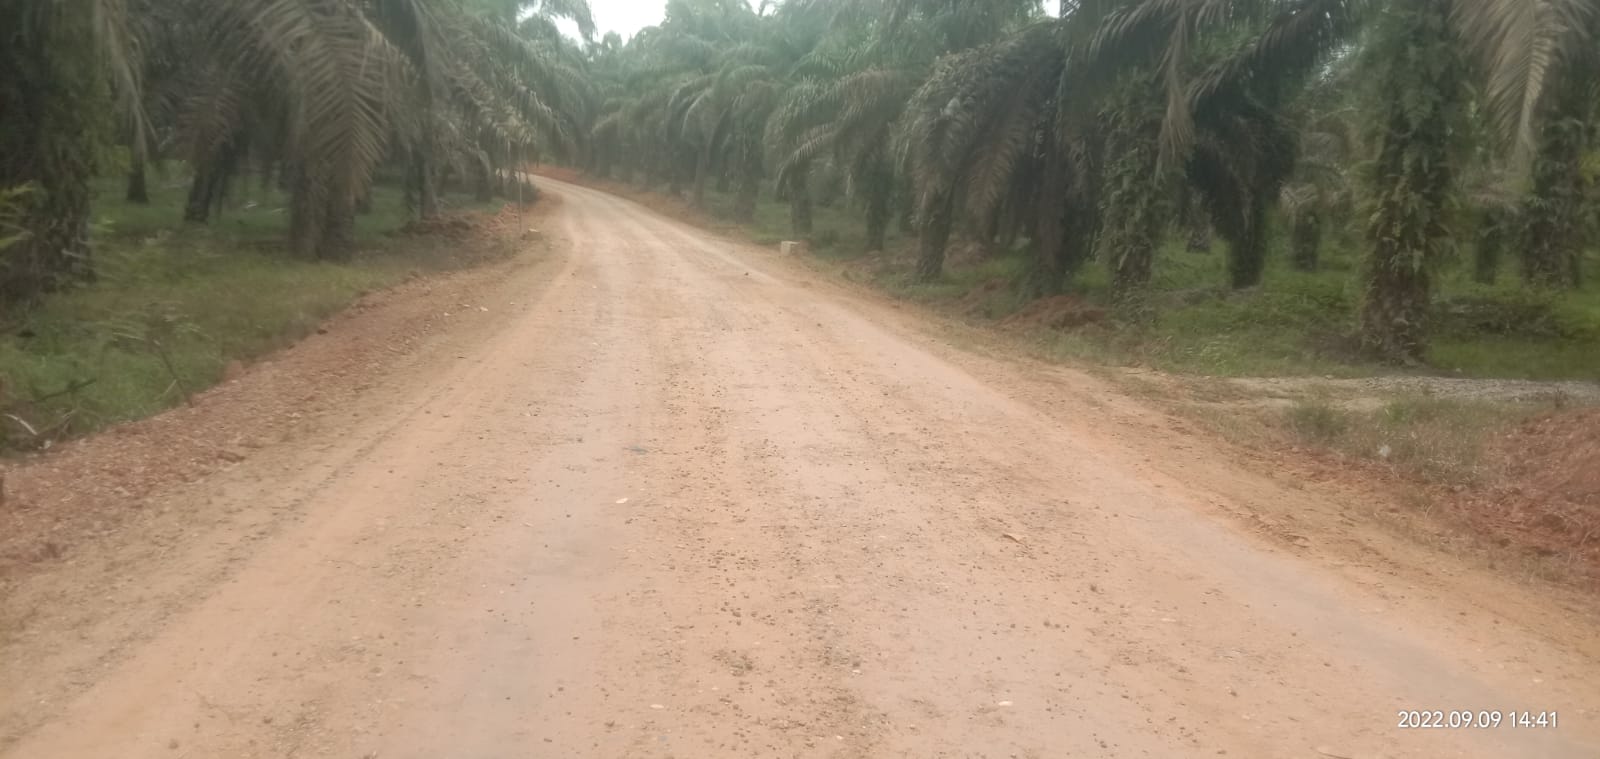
652,83
965,142
317,93
1556,227
327,91
1495,206
1419,79
860,80
1321,190
1117,103
62,67
1533,53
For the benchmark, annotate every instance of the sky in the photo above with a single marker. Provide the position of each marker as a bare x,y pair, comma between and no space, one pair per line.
625,17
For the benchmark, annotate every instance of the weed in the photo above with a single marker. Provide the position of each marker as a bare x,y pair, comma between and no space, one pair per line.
1318,422
175,302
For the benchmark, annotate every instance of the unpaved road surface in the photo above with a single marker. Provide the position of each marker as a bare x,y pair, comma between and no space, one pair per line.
675,497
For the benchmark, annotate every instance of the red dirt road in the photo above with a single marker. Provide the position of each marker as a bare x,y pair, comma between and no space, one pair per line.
674,497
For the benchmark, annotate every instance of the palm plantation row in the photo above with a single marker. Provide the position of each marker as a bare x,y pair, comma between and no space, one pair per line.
1084,136
313,96
1093,132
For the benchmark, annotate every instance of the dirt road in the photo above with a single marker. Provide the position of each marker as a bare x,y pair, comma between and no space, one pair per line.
675,497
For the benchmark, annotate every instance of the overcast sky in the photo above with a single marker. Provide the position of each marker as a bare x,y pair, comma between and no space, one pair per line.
625,17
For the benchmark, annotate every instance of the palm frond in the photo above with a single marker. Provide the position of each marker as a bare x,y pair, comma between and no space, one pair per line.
1522,44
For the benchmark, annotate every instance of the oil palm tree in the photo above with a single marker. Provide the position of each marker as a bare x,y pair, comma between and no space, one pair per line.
1535,55
1556,212
1541,55
325,91
1119,102
1321,190
63,66
860,80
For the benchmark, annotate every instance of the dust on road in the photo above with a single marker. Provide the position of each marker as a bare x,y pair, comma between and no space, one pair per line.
680,499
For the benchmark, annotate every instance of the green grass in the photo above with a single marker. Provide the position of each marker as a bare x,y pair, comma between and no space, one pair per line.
1444,440
837,229
174,303
1295,323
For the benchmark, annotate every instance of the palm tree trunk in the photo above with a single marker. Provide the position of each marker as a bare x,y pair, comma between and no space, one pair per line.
933,236
702,167
675,176
1494,234
1194,221
1132,264
306,207
877,218
1137,204
880,195
138,189
988,234
1305,239
1412,175
197,208
744,202
481,179
49,126
800,202
210,184
1063,229
427,191
1010,230
1199,240
1247,253
422,186
338,230
56,249
1049,233
1554,231
1133,216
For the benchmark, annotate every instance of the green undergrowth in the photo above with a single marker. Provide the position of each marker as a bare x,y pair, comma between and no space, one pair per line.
174,303
1294,323
1443,440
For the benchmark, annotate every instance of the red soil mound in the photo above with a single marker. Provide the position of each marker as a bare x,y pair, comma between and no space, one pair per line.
1056,312
1557,457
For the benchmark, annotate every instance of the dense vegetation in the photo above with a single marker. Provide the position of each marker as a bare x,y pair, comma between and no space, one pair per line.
187,183
1440,138
311,96
1439,141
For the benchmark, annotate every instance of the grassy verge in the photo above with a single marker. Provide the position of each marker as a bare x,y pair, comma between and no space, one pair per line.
1447,441
175,303
1295,323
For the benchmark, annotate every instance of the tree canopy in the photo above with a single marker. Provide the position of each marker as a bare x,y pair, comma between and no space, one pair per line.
1086,133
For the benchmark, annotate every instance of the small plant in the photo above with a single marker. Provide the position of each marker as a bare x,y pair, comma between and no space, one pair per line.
22,420
823,239
12,230
1318,421
154,332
